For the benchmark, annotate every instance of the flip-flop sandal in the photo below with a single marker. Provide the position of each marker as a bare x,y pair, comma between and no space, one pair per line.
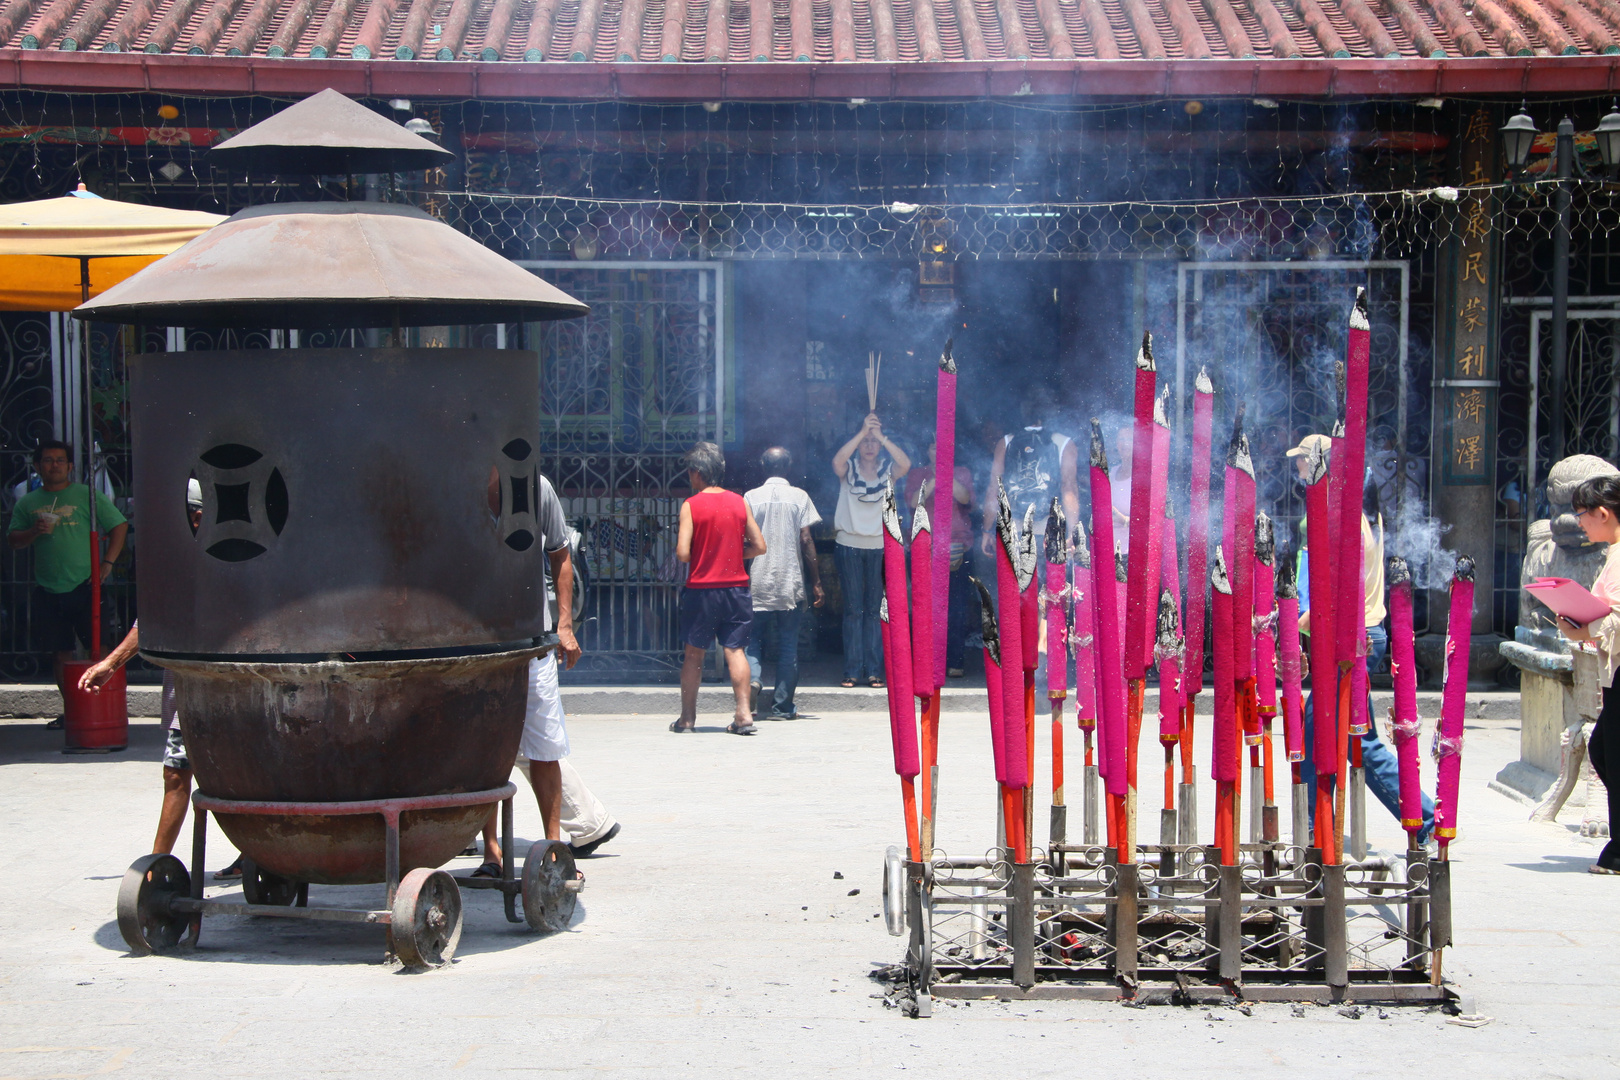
683,729
1596,869
741,729
876,684
489,870
847,683
232,872
56,725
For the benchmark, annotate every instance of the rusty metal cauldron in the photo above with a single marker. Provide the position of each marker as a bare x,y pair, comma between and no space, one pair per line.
353,617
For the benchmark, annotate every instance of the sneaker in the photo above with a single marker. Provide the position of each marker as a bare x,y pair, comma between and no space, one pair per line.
581,851
753,698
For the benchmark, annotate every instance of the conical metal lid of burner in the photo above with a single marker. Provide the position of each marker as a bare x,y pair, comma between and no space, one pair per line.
343,264
327,134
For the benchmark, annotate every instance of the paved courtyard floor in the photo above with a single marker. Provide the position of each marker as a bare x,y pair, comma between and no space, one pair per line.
716,937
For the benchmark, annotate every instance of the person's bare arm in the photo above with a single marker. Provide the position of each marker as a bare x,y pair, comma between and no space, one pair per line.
841,459
902,462
962,490
1069,472
683,538
99,672
997,461
21,538
812,564
753,539
115,547
562,575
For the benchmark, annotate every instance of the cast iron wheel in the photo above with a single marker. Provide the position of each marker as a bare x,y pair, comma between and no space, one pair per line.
894,891
426,921
144,917
549,889
263,887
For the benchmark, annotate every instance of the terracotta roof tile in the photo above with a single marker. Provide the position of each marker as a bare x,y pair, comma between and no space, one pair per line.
796,31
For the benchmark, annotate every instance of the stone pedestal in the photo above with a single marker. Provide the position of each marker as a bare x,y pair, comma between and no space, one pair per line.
1559,698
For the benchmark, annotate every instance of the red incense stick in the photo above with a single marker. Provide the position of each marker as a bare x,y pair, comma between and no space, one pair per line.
1143,542
1197,602
1324,667
1289,668
944,507
1448,736
897,660
1224,740
1055,596
1110,678
1011,819
1015,729
1265,643
1404,723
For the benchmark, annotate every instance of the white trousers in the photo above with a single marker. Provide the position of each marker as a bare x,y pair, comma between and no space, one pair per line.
545,738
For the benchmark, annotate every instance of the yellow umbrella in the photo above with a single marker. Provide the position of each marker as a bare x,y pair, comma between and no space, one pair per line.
57,253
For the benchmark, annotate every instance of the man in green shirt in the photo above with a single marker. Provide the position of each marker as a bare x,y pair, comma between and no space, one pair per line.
54,520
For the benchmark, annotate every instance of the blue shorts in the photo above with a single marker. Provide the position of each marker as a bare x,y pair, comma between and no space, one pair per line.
707,614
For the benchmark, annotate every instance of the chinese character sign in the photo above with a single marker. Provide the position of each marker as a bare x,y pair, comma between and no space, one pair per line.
1469,396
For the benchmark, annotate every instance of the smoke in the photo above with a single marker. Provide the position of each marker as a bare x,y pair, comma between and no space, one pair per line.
1416,537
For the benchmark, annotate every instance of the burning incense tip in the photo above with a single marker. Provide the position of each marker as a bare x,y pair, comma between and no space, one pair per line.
1082,550
987,621
1398,572
1057,531
1025,568
1358,314
1237,455
1119,568
1201,384
1265,539
1316,463
883,609
1004,524
947,363
891,514
919,519
1099,449
1287,588
1160,415
1465,568
1217,573
1144,358
1167,642
1340,376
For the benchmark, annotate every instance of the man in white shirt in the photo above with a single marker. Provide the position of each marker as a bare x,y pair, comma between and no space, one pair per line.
776,579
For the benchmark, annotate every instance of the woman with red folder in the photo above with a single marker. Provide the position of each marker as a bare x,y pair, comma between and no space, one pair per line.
1597,508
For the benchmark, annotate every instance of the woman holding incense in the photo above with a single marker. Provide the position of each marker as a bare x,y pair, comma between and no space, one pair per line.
1597,507
865,466
1382,769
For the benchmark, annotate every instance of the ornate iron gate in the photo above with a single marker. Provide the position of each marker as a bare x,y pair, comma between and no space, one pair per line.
624,392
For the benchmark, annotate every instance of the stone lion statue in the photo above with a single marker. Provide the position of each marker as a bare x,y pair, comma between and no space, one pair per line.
1556,546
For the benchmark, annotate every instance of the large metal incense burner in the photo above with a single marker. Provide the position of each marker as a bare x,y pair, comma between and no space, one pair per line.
1174,926
349,624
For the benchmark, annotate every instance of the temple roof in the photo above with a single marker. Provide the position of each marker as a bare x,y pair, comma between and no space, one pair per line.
1406,41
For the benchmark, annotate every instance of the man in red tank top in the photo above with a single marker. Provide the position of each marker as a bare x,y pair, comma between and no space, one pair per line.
718,533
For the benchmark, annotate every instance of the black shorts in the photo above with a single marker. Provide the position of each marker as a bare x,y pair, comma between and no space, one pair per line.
707,614
60,617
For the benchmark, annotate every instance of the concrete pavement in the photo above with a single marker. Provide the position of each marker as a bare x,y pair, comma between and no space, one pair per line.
715,938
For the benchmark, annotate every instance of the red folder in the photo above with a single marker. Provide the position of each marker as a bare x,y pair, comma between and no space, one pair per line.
1569,599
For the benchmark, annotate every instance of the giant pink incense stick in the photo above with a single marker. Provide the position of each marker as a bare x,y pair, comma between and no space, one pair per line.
1084,639
1056,596
1324,668
922,604
897,651
1010,621
897,659
1140,595
1158,502
944,506
1349,635
1240,504
1265,669
1448,736
1404,722
1198,531
1029,596
992,679
1289,667
1224,741
1170,588
1110,675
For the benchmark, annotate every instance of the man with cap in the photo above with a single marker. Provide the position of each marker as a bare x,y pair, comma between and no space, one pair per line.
1381,769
